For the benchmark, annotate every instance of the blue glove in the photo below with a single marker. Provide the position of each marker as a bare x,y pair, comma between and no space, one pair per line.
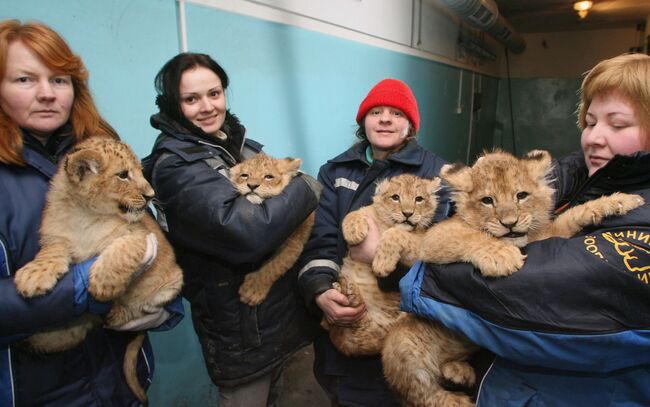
83,301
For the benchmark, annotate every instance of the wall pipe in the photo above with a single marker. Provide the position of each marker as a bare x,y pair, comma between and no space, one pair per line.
484,15
182,31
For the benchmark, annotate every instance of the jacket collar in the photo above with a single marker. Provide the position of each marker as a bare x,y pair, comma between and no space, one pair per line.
45,158
411,154
234,130
624,173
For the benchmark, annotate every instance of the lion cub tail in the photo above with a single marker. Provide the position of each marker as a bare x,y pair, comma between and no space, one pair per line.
129,368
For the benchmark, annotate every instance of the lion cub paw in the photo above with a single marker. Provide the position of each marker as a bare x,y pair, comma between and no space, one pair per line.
355,230
618,204
500,263
383,265
350,290
35,279
253,290
118,315
449,399
460,373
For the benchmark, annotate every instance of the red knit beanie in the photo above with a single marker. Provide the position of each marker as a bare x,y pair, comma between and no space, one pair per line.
393,93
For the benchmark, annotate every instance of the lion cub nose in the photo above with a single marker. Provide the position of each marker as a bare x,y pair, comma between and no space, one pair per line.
149,194
508,224
407,214
253,186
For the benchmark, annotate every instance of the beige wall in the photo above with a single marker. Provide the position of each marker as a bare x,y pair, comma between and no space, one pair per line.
567,54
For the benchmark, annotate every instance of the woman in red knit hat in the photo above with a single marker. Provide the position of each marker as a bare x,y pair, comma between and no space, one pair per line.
388,121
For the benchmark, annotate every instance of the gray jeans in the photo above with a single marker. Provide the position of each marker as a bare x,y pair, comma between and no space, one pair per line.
261,392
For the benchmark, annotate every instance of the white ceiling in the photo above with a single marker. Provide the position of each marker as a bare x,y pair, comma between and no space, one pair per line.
558,15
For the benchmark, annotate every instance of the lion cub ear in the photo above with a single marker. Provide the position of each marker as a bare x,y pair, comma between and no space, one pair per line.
458,176
433,185
539,164
81,163
382,186
290,165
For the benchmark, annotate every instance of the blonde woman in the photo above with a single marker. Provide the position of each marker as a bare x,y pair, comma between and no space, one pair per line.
572,327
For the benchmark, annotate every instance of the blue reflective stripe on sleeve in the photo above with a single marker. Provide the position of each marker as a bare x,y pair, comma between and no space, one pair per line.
579,352
4,260
6,378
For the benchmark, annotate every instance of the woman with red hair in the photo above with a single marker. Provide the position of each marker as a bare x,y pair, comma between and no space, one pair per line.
45,106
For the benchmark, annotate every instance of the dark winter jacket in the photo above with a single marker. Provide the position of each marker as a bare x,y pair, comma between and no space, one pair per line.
219,236
572,327
349,183
88,375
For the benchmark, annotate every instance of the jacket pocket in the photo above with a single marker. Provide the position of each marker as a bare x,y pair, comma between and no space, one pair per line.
230,321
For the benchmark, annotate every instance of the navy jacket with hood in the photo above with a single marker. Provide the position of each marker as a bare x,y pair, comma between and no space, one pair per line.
349,182
572,327
218,237
91,373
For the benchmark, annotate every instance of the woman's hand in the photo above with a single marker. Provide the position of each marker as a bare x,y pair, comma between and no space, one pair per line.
364,252
337,309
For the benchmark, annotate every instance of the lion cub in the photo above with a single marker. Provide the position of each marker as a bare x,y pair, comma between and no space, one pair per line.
502,203
96,206
510,202
403,208
258,178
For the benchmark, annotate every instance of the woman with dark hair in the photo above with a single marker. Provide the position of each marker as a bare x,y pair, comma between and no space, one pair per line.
219,236
45,106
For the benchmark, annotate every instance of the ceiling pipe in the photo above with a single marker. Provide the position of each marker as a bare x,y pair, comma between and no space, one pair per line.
484,15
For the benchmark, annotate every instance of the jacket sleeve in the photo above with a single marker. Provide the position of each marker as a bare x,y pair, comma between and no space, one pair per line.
579,304
319,263
176,313
22,317
567,176
205,213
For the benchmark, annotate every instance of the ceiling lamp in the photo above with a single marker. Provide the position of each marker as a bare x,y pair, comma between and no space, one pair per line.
582,7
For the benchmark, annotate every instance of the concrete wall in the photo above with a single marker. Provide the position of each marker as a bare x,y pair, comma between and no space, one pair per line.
544,87
567,54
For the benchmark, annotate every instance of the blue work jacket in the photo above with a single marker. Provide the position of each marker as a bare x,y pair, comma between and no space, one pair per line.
349,182
91,373
572,327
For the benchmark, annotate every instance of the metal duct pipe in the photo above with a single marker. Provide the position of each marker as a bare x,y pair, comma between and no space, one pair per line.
484,15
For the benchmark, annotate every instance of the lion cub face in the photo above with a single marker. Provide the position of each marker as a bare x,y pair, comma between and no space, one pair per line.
105,176
261,176
406,201
502,195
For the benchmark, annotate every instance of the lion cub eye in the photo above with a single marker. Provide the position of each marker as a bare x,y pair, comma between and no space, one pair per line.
268,177
419,199
395,198
522,195
243,176
487,200
123,174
